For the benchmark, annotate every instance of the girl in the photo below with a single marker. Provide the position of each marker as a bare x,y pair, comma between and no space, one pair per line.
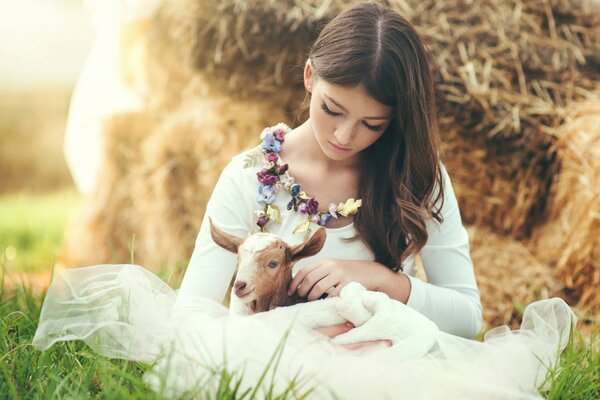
365,166
370,138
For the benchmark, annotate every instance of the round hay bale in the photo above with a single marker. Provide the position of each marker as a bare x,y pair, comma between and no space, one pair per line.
504,192
180,164
102,230
508,275
251,48
505,71
571,238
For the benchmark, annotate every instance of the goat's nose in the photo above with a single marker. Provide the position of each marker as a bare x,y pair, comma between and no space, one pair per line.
239,286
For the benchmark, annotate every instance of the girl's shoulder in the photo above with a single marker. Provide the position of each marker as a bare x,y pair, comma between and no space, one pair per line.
250,161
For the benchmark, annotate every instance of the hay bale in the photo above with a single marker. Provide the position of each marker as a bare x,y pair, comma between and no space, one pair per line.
180,164
571,239
505,70
251,48
507,194
101,231
509,276
157,178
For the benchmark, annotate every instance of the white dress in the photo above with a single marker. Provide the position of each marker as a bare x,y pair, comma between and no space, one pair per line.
125,311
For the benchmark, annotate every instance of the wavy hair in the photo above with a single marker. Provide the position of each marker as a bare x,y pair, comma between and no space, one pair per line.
371,45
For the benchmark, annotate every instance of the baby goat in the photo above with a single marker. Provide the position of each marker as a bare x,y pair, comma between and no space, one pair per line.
264,268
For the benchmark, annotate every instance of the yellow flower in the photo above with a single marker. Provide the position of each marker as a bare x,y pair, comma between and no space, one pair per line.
273,213
350,207
302,226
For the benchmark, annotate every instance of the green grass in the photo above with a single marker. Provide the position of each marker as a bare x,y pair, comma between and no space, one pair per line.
72,370
31,228
34,225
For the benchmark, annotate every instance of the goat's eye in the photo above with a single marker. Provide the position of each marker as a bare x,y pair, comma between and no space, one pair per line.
272,264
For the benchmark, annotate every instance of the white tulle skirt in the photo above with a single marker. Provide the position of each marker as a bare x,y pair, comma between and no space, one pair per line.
125,311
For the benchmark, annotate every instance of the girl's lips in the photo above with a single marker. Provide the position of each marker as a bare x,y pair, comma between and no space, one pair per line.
338,147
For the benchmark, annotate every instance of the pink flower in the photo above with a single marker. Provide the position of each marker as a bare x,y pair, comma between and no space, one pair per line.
289,182
333,210
302,208
272,157
279,135
282,169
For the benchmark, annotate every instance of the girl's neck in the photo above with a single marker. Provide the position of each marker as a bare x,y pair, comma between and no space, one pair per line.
303,143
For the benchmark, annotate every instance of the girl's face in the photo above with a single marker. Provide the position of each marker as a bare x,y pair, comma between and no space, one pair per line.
345,121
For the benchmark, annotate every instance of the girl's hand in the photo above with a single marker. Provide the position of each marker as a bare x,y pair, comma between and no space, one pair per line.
333,331
330,276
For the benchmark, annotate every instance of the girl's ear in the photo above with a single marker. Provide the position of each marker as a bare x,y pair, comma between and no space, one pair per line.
308,76
310,247
223,239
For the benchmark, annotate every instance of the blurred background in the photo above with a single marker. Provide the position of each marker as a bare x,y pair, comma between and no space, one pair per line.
43,48
117,116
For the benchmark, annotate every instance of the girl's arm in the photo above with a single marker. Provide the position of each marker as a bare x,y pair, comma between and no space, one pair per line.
211,267
451,297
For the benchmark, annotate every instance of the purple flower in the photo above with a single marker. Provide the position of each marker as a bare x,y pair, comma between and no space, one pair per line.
302,208
272,157
295,189
291,204
324,219
270,143
262,221
312,205
279,135
266,178
266,194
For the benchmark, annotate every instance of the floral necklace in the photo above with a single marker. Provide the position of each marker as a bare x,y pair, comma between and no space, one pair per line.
274,176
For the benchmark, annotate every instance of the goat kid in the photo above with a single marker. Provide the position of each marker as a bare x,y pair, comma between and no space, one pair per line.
264,268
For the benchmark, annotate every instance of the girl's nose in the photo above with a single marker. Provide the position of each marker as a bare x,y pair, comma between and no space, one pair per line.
345,134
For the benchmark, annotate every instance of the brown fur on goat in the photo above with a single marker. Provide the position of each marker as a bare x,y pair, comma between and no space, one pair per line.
264,275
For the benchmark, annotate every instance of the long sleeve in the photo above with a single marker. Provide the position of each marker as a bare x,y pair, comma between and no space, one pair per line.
451,297
211,267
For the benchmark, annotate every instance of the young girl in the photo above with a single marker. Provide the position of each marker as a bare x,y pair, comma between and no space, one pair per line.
365,166
371,137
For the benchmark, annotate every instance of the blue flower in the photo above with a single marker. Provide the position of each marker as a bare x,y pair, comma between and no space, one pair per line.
295,190
324,219
270,143
266,193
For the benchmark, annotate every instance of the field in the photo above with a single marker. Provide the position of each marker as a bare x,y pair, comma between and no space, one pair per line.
30,237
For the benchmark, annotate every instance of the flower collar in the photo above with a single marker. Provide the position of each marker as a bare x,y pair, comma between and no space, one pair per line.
274,176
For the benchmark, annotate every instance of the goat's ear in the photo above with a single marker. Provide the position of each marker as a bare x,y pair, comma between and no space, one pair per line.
223,239
310,247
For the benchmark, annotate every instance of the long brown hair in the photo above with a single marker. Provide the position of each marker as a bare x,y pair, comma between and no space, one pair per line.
372,45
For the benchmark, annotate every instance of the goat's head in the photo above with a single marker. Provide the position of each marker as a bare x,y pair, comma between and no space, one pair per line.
264,266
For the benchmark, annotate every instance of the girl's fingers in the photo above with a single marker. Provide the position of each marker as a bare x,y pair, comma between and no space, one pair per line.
338,288
366,345
332,331
310,280
322,287
297,280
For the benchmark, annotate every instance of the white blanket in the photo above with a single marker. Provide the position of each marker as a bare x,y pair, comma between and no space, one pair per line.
125,311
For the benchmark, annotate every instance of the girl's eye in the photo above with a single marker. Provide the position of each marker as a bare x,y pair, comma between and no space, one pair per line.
272,264
328,111
374,127
334,114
